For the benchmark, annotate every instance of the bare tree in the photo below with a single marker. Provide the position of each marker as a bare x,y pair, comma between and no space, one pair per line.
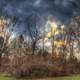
4,36
73,34
33,32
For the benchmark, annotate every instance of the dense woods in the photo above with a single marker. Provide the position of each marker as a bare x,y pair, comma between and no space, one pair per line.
21,58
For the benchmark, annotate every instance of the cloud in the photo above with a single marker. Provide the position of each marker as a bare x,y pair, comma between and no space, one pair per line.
63,10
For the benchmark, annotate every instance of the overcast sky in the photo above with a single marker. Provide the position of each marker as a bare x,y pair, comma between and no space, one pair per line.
63,10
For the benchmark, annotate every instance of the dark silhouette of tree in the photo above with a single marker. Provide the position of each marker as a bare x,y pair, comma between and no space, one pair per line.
33,32
73,34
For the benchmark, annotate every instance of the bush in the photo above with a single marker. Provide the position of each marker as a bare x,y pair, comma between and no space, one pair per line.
38,71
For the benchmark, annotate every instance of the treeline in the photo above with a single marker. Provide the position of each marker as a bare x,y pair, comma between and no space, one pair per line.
27,59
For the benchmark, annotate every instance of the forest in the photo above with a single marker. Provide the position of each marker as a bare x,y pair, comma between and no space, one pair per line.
54,53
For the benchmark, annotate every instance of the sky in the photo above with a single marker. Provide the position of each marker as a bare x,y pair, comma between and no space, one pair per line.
61,10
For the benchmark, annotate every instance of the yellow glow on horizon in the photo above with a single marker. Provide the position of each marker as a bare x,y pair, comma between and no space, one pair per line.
54,31
60,43
53,28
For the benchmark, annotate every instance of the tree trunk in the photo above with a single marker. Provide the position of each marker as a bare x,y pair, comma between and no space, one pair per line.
0,59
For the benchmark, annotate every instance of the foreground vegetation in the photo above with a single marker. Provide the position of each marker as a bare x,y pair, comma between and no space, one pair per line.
73,77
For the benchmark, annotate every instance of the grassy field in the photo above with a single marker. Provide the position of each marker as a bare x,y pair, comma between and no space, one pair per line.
74,77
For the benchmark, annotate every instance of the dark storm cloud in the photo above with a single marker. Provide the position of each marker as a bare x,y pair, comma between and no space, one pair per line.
60,8
63,10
